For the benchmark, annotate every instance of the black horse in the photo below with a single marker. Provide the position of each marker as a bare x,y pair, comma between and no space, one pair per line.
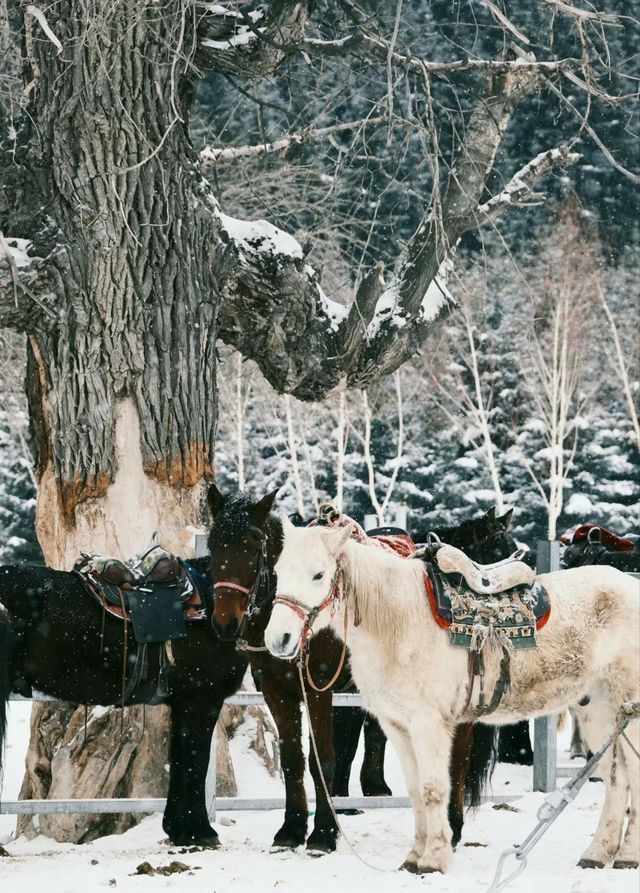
243,553
54,637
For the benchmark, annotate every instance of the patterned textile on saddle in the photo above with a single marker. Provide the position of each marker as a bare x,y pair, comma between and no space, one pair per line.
477,603
392,539
156,592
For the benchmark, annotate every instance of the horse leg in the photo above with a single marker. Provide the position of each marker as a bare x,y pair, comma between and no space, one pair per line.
515,744
400,740
628,856
372,771
285,709
458,770
578,747
431,738
5,682
347,724
597,721
193,723
325,831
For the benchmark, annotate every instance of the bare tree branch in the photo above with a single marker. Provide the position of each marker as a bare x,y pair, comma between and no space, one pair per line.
519,189
210,155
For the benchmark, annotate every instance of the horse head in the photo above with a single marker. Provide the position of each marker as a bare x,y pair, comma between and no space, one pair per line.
484,539
307,572
243,544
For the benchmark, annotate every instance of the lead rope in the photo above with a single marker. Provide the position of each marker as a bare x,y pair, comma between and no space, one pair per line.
324,782
334,678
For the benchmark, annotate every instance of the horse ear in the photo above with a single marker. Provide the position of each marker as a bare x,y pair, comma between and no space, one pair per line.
491,514
260,510
215,500
336,538
505,520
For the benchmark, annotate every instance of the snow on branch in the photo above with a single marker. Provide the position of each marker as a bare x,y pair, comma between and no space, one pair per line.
381,48
210,155
251,44
260,236
519,189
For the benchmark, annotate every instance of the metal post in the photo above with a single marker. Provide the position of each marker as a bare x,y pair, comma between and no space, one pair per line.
201,546
211,785
545,737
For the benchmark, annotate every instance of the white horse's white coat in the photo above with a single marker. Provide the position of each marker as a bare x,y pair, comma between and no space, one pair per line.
415,682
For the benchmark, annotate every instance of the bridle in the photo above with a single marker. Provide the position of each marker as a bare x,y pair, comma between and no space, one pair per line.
309,616
262,578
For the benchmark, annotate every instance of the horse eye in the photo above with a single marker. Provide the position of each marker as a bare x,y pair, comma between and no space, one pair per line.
319,575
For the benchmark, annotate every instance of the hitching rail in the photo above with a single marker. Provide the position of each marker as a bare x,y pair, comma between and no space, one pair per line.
157,804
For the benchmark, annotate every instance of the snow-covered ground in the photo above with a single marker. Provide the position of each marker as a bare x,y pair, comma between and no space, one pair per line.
246,862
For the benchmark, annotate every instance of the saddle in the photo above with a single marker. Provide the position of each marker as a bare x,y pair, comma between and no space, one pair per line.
485,579
496,605
157,592
597,545
477,602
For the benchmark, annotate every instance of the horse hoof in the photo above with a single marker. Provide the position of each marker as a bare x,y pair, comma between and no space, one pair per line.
286,843
195,844
350,811
414,868
625,863
383,791
590,863
320,846
410,866
288,840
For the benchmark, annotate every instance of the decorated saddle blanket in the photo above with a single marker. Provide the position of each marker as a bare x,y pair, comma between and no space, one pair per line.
157,593
472,618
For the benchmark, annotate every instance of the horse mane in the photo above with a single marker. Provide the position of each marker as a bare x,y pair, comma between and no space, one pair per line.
233,519
386,591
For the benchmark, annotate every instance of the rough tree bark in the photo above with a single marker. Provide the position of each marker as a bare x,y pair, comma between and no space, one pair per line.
118,264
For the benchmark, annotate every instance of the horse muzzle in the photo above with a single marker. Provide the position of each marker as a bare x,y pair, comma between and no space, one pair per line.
284,644
228,632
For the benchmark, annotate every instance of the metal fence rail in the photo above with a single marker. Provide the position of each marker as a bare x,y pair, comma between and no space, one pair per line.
157,804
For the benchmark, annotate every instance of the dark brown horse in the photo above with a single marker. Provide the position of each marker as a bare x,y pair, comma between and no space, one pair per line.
244,543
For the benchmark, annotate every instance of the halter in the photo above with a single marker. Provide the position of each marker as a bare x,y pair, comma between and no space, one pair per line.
262,576
309,615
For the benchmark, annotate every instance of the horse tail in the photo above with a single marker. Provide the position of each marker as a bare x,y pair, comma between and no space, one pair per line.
5,688
484,755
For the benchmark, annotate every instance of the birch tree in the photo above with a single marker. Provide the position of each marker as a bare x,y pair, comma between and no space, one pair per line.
557,346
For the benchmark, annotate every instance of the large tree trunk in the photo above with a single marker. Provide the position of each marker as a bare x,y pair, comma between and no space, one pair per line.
121,365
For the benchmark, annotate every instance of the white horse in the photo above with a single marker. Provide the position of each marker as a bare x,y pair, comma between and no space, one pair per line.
415,682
